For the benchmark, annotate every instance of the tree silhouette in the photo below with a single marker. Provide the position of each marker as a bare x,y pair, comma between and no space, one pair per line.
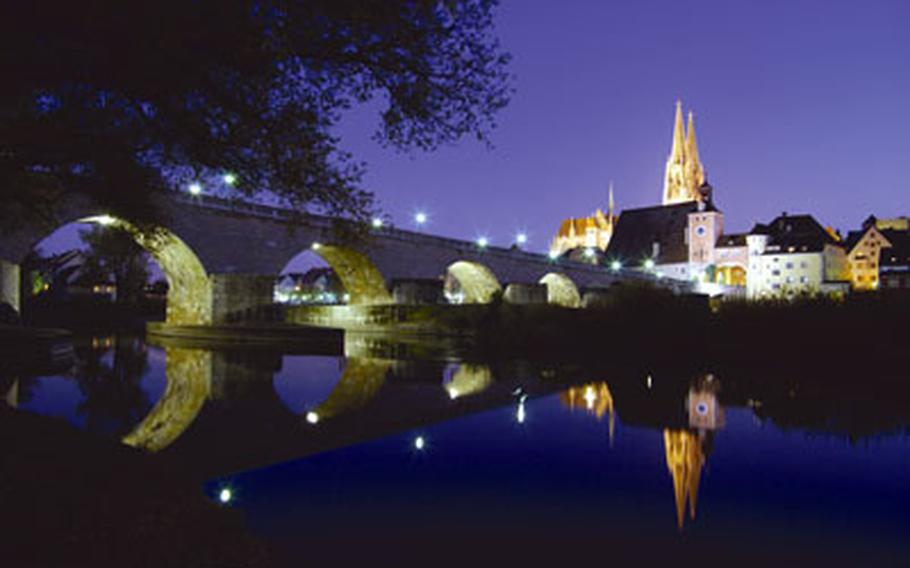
117,100
113,253
114,400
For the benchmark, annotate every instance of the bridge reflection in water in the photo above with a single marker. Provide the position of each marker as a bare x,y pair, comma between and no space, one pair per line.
202,418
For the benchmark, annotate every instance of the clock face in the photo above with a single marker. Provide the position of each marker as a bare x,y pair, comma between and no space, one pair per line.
700,230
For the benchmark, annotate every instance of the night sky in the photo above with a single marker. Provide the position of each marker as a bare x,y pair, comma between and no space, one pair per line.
800,106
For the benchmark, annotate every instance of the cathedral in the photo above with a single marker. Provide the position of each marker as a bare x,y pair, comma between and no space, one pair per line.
684,178
586,233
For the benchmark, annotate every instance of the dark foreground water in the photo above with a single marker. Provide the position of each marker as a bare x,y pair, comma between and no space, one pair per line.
408,450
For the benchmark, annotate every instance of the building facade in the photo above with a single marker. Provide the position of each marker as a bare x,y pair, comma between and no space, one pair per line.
794,255
586,233
879,254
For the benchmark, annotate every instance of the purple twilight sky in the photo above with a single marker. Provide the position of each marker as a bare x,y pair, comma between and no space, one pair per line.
800,106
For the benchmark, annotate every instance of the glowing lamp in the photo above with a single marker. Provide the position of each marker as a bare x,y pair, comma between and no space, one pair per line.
377,223
482,242
589,252
553,255
225,495
105,220
194,188
312,417
649,264
521,238
419,443
615,266
316,246
420,217
229,178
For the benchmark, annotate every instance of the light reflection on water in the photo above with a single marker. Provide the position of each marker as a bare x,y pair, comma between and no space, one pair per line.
699,449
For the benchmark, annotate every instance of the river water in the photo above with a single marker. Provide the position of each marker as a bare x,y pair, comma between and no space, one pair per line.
329,455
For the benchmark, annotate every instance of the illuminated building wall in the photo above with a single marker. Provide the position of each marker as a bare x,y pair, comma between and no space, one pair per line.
592,232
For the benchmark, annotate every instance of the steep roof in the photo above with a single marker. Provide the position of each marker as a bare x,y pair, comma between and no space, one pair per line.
898,254
802,233
638,230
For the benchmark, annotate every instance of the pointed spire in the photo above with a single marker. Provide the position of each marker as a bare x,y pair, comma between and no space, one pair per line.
698,171
610,199
691,146
677,153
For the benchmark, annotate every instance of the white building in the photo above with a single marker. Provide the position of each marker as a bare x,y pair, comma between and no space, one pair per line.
794,255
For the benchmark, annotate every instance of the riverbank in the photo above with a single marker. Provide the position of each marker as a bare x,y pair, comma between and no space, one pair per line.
69,498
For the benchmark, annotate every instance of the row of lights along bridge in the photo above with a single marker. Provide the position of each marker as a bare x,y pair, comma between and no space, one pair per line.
421,218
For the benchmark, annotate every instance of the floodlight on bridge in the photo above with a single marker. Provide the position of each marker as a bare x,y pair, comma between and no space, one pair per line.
377,222
312,417
553,254
616,266
482,242
316,246
648,264
420,218
194,188
521,238
229,178
589,252
105,220
420,443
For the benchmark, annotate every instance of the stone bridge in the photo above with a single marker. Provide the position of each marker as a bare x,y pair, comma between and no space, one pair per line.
221,258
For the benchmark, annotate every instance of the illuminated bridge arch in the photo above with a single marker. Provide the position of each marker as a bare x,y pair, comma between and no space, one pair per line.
361,279
189,297
189,383
478,283
561,291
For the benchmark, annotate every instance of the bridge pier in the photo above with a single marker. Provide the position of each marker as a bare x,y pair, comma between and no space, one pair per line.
10,283
239,297
517,293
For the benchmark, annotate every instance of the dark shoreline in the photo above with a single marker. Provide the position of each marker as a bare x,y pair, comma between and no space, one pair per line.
76,499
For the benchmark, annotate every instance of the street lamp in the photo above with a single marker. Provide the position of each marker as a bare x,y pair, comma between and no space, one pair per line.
194,188
521,239
420,218
229,178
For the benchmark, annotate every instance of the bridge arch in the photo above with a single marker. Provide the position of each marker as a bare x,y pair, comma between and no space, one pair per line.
189,383
359,276
478,283
561,290
189,297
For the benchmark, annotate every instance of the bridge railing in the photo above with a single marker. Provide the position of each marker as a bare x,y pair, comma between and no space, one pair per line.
469,247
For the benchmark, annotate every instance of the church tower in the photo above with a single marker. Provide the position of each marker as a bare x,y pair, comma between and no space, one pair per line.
684,175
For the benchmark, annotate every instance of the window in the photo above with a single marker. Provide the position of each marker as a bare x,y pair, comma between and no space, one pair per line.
775,273
776,286
804,279
803,264
789,280
789,265
700,230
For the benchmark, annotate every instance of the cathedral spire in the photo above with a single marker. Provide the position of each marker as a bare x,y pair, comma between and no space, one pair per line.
696,171
677,152
684,174
611,205
691,146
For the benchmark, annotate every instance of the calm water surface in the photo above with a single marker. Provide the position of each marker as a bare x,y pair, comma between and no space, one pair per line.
329,455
